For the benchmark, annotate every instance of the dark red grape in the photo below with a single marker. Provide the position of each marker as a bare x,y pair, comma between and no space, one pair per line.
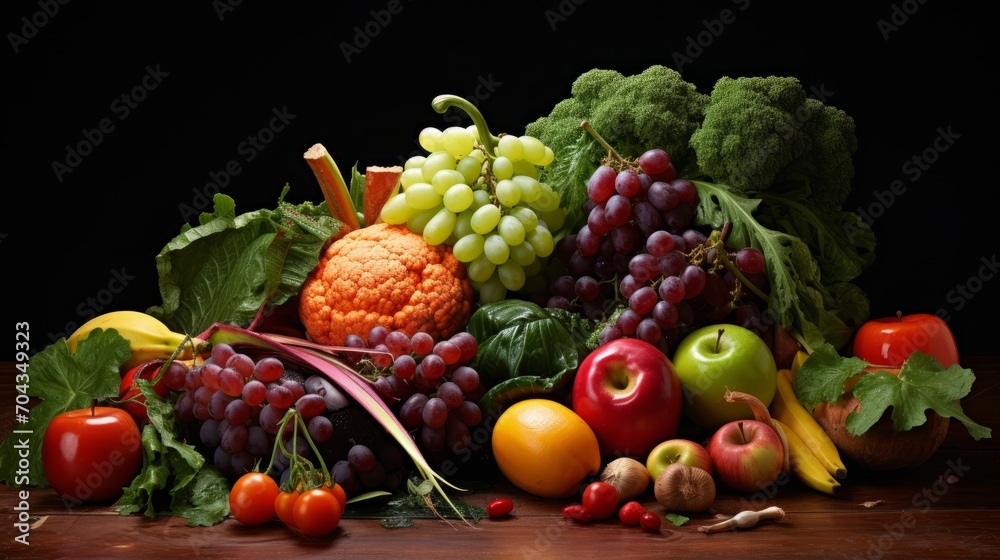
654,161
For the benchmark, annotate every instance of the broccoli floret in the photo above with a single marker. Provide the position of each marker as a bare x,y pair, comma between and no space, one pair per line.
656,108
764,134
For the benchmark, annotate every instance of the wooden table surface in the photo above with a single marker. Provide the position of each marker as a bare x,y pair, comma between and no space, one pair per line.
947,508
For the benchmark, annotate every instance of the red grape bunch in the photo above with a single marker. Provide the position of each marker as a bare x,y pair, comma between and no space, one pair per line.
236,406
428,383
640,261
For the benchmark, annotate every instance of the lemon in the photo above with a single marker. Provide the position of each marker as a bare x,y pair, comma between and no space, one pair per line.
545,448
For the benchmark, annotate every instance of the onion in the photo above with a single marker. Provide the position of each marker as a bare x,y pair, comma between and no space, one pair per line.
881,447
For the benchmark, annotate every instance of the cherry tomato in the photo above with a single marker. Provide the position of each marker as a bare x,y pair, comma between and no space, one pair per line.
601,499
251,500
90,454
650,522
578,512
317,512
500,507
339,492
284,504
631,512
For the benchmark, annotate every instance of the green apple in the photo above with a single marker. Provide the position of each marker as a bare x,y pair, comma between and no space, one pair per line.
677,450
710,360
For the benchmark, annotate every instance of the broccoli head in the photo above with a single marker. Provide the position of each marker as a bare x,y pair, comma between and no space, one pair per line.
656,108
764,134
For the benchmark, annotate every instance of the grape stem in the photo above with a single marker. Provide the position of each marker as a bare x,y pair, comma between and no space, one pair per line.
600,140
446,101
299,473
720,246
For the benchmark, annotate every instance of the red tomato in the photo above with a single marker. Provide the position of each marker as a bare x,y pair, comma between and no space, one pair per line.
601,499
91,454
284,504
339,492
251,499
317,512
130,396
500,507
889,341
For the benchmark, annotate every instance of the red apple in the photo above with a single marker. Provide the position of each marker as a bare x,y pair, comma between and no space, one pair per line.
889,341
677,450
747,455
91,454
629,394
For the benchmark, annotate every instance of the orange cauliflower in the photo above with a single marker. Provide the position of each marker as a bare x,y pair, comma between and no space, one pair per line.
385,275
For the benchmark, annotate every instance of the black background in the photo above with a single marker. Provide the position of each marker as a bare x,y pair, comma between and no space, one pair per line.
906,71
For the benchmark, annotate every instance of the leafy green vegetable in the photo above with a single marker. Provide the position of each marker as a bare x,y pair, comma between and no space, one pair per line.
230,266
842,242
825,374
677,519
525,349
922,384
799,300
765,134
63,381
174,479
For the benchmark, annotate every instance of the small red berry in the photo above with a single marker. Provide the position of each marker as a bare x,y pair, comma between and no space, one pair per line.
578,512
500,507
650,522
631,512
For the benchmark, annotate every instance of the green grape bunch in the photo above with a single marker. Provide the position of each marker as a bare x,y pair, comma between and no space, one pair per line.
480,194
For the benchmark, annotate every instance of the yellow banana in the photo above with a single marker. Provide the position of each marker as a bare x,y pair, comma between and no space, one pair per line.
797,362
787,409
149,338
806,466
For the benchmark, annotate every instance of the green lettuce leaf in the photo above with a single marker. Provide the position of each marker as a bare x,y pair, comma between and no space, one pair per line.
800,301
174,479
230,266
62,381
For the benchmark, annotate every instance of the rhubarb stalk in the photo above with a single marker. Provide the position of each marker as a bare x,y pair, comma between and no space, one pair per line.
335,190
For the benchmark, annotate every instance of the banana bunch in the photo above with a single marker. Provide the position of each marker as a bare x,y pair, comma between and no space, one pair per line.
813,457
149,338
